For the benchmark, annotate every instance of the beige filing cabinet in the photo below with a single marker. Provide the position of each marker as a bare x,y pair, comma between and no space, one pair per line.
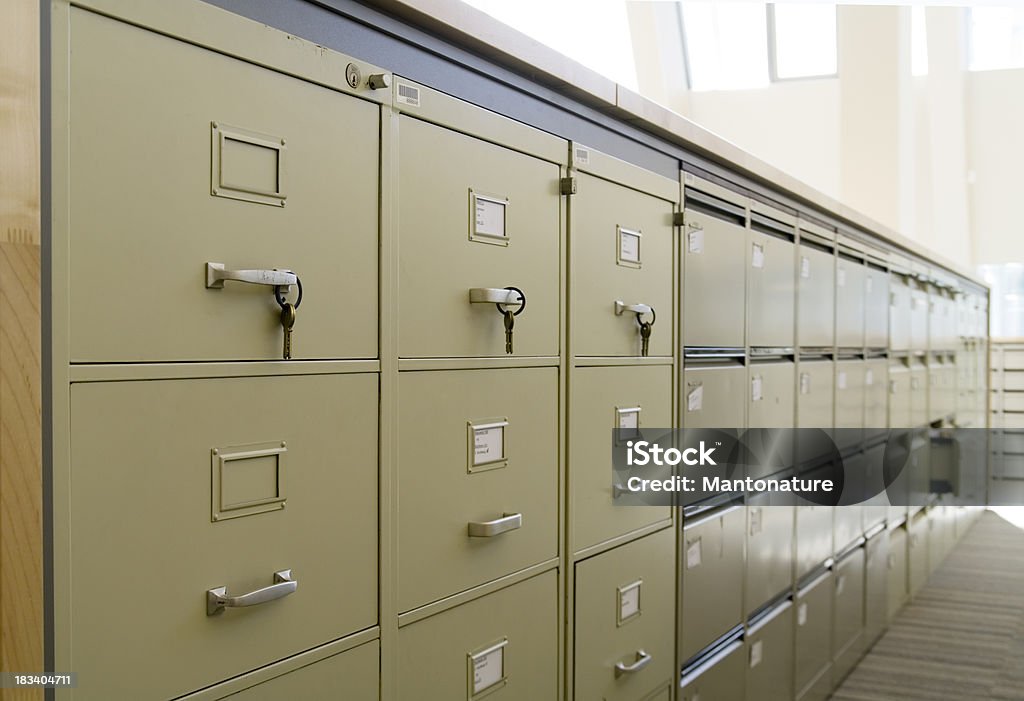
711,565
896,564
813,602
848,632
720,676
899,311
771,278
769,563
849,402
876,585
851,293
621,257
771,405
816,285
503,646
624,640
714,249
876,304
770,655
917,553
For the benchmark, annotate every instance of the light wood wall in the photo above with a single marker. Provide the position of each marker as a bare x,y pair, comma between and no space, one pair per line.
21,548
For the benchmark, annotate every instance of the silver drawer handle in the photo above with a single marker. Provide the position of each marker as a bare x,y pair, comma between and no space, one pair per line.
216,274
640,309
217,599
642,660
494,295
489,529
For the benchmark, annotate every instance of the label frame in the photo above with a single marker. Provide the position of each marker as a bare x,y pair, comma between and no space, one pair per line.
483,237
474,425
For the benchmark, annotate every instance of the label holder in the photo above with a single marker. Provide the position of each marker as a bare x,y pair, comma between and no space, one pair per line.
482,208
628,603
479,688
628,247
485,429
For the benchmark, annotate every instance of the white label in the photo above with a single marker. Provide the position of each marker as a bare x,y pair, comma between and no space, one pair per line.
695,241
695,399
801,614
755,654
841,277
869,378
840,584
488,445
408,95
805,383
693,554
842,380
629,246
755,521
489,217
756,393
488,669
805,267
582,156
629,418
869,283
757,256
629,601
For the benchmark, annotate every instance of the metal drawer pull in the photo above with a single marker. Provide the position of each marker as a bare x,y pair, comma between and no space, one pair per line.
642,660
216,274
640,309
489,529
495,295
217,599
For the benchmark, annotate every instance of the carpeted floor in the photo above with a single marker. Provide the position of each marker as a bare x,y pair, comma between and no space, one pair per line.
962,638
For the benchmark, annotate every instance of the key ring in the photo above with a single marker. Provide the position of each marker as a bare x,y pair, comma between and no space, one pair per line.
654,317
279,296
522,300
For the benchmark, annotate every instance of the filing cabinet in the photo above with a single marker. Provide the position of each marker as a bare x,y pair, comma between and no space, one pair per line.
770,655
151,227
621,257
816,284
896,564
899,312
714,269
205,484
711,565
876,398
491,224
848,633
851,293
503,645
771,405
624,640
876,306
813,537
813,602
849,402
477,478
769,565
604,399
714,395
771,279
917,552
721,676
876,585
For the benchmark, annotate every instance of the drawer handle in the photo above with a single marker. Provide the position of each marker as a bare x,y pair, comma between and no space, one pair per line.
638,309
216,274
642,660
489,529
496,295
217,599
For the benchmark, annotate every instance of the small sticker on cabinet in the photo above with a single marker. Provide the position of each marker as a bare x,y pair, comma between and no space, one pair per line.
840,584
488,445
869,377
756,393
805,267
695,398
842,380
693,553
801,614
841,277
869,284
695,241
757,256
756,654
755,521
488,216
805,383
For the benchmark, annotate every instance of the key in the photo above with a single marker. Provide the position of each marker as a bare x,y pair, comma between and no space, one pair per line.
287,322
510,321
645,335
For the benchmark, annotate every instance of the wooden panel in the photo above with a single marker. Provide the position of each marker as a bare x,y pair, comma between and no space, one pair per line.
21,598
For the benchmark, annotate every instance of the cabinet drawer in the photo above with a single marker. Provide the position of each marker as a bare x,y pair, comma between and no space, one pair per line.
232,492
770,656
813,637
475,447
769,566
714,396
850,300
772,282
816,313
721,677
715,266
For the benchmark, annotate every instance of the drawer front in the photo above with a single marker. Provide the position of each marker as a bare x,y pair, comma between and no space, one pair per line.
850,293
625,599
899,314
876,585
919,395
918,319
771,279
352,674
490,223
876,398
715,266
900,413
917,554
1013,359
712,571
721,678
850,391
1011,380
159,213
896,566
849,613
454,471
813,632
622,252
503,646
816,313
604,398
848,521
769,567
876,308
714,396
815,394
770,657
771,404
1013,402
813,537
207,471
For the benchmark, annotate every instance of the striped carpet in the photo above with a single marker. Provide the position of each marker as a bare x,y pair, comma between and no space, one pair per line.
962,638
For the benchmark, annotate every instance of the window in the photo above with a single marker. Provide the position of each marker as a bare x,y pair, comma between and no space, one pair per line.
726,44
803,40
1006,316
918,41
997,38
595,34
